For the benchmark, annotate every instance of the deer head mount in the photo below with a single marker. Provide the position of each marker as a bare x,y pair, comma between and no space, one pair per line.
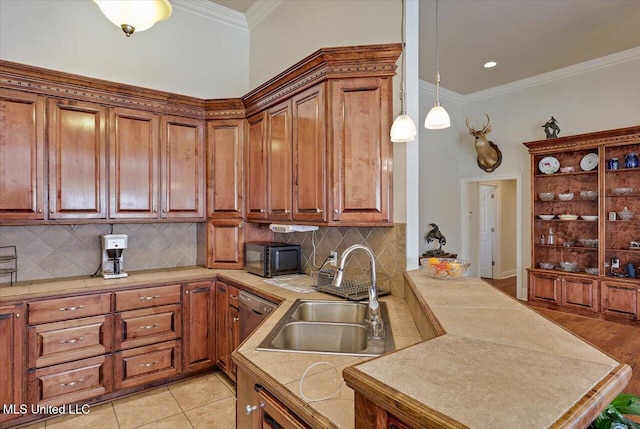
489,156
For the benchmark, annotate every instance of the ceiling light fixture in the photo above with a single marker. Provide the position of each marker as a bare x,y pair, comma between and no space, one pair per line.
437,118
135,15
490,64
403,129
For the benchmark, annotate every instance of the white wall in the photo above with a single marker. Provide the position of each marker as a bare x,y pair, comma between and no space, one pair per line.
600,99
185,54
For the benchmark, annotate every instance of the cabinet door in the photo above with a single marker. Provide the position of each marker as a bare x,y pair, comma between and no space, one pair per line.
77,160
222,330
279,148
225,244
274,414
544,287
580,292
199,326
620,299
21,155
309,156
182,171
133,164
233,339
361,150
256,173
224,168
12,361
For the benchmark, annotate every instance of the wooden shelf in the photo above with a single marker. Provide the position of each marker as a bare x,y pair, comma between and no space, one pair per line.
556,174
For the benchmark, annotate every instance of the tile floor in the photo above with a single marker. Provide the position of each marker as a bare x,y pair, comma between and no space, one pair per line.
207,401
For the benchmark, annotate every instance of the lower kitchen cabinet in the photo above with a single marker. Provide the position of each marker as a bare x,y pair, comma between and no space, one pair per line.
579,292
258,408
70,382
369,415
621,299
146,364
544,287
233,339
148,326
12,362
227,327
199,340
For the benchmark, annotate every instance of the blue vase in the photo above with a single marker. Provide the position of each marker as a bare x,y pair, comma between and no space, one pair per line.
631,160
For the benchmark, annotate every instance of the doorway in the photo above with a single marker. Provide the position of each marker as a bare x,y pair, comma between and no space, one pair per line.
492,229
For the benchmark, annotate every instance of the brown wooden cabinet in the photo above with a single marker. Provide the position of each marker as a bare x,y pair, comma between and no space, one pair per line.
133,164
309,155
223,354
199,304
12,359
278,171
361,149
22,185
224,243
570,175
182,172
77,160
255,168
224,168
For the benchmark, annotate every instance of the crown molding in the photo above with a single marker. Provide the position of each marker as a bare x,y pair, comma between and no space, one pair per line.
259,11
214,12
563,73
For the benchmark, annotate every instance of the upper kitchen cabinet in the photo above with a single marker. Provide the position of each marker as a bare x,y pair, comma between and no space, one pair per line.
77,160
255,168
133,164
224,168
182,158
22,125
339,103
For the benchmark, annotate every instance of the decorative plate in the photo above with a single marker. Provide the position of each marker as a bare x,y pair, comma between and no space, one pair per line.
549,165
568,217
589,162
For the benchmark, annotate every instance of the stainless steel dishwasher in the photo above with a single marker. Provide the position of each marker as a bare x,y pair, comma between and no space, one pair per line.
253,310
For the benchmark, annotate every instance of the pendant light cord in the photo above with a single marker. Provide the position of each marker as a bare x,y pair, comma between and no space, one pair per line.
403,89
437,62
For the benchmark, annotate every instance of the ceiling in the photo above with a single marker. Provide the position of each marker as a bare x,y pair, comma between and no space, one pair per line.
525,37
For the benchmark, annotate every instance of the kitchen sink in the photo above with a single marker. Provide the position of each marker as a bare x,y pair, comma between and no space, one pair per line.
331,327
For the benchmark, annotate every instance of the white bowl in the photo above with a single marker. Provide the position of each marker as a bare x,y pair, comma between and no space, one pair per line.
546,196
591,218
566,197
567,169
546,216
568,217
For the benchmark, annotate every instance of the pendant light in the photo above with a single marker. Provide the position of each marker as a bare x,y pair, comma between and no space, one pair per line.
437,118
403,129
135,15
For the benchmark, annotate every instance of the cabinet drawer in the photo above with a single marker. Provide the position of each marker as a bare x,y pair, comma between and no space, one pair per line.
59,342
233,296
145,364
147,297
71,382
147,326
54,310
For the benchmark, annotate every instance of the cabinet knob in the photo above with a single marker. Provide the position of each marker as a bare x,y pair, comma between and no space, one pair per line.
18,314
235,319
251,408
164,210
51,211
40,211
155,210
336,211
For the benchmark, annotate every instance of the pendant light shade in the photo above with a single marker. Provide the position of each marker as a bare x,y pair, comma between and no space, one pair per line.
403,129
135,15
437,118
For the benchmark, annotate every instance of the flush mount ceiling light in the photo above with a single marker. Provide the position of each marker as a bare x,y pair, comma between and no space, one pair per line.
490,64
134,15
403,129
437,118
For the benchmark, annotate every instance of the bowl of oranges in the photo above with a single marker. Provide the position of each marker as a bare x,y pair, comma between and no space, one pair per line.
445,268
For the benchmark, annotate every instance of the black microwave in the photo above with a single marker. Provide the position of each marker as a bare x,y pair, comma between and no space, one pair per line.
268,259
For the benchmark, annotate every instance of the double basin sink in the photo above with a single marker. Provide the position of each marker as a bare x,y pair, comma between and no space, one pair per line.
333,327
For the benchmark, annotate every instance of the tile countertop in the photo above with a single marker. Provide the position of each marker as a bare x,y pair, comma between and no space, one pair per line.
496,363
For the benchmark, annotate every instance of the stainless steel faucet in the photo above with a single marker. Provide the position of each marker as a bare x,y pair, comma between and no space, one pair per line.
375,319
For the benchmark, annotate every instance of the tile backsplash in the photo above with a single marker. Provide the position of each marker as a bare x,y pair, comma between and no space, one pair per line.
387,243
54,251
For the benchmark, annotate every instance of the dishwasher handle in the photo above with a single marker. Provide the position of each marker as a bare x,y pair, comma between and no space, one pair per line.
255,303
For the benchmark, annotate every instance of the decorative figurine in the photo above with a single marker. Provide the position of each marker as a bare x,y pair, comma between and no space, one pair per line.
435,234
489,156
551,128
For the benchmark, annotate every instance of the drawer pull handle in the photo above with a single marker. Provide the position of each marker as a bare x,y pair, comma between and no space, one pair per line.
250,409
149,298
147,365
235,319
233,297
74,340
155,325
72,308
71,383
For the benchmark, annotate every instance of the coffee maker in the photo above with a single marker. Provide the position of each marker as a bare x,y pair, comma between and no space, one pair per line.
113,246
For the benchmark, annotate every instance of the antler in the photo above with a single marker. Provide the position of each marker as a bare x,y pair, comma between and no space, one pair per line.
484,129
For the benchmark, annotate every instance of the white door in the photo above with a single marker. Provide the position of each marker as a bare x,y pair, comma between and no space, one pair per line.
487,229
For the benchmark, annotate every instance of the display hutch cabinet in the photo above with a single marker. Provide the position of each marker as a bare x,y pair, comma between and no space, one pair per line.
584,250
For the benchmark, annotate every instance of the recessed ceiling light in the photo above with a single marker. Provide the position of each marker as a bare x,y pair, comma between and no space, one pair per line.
490,64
